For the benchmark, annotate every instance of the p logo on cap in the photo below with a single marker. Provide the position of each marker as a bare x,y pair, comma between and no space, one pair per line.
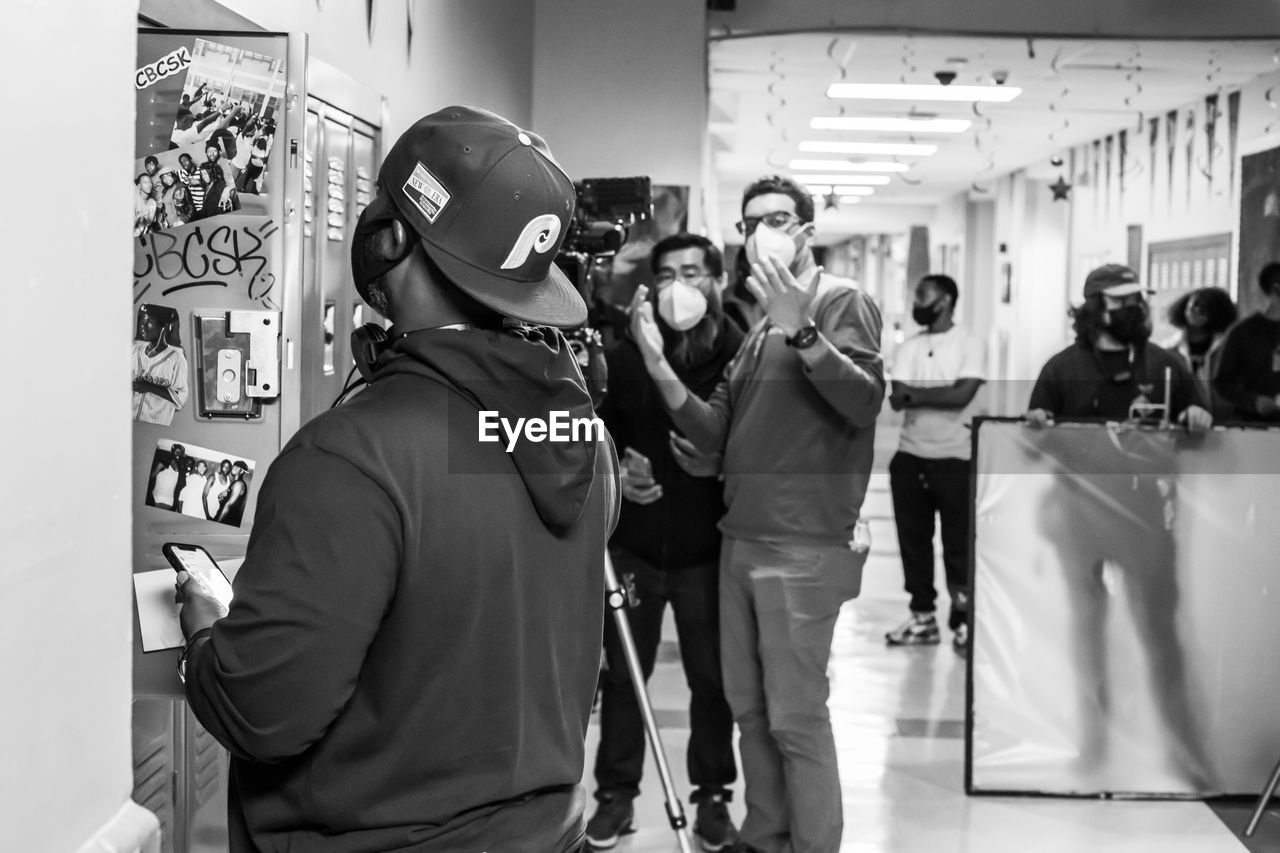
539,235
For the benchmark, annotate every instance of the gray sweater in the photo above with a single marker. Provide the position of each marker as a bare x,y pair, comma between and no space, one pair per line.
798,441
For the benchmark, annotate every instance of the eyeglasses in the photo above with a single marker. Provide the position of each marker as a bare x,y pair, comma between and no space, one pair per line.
688,275
774,219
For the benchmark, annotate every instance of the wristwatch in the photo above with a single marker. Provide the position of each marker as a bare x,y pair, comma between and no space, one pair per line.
804,338
187,648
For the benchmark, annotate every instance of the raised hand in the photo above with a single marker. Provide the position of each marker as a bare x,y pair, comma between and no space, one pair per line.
787,303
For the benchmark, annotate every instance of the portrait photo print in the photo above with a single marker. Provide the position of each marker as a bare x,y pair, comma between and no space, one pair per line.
160,376
199,482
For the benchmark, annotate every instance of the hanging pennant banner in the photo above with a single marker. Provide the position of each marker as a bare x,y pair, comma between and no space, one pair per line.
1191,147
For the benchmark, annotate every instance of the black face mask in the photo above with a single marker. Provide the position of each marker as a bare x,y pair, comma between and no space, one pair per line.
925,315
1129,324
366,266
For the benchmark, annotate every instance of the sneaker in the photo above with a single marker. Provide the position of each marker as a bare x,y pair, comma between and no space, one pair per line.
960,642
920,630
612,820
713,827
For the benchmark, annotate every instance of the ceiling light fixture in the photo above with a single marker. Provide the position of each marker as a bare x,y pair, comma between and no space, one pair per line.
922,92
881,123
845,178
849,166
824,189
902,149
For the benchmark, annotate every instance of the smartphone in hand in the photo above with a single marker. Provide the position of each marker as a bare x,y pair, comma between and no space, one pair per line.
197,562
637,464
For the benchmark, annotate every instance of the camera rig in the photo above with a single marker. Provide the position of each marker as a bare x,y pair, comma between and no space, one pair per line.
606,209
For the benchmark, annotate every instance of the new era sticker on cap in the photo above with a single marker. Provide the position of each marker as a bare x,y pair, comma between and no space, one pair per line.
426,191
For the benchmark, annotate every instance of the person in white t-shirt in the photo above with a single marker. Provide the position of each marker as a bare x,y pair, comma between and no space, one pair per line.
936,376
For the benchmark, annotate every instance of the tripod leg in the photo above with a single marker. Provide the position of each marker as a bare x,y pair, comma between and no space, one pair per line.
616,600
1263,800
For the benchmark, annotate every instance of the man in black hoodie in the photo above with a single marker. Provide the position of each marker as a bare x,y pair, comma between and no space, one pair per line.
410,657
668,547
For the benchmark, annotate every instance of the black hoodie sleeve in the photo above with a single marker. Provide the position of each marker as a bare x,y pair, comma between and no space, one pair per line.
319,574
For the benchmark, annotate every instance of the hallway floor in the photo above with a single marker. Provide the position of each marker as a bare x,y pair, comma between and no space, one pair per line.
898,716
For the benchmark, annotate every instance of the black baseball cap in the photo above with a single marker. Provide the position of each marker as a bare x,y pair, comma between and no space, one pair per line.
1113,280
492,208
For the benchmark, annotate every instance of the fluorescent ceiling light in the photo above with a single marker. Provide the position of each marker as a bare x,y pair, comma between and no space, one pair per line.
845,178
922,92
907,149
886,123
825,189
848,166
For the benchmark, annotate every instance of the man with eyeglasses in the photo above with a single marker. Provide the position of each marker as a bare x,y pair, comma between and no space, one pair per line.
666,546
795,418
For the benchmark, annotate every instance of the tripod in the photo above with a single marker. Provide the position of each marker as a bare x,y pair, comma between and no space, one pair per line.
616,600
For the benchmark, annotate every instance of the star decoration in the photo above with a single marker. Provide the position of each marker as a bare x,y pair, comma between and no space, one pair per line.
832,201
1061,190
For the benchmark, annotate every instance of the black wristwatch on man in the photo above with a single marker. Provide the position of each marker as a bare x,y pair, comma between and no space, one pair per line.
805,337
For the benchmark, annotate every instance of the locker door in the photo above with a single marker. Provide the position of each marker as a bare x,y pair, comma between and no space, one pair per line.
342,173
216,284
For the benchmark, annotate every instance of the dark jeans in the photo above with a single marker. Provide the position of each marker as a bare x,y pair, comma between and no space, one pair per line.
695,600
921,489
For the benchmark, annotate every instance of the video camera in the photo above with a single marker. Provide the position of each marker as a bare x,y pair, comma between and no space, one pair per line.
606,209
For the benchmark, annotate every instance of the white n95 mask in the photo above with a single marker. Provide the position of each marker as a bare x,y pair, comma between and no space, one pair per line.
766,241
681,305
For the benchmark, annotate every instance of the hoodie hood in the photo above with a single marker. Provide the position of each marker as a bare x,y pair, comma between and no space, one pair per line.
518,372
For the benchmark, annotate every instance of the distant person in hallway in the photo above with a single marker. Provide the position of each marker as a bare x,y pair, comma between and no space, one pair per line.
1095,518
795,418
935,376
1248,374
668,547
1203,317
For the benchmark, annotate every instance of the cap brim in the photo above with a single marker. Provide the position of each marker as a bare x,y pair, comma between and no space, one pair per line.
554,301
1126,289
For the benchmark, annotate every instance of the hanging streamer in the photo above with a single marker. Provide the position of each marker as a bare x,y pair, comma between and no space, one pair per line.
1273,106
1233,130
1190,147
1153,138
1212,149
410,10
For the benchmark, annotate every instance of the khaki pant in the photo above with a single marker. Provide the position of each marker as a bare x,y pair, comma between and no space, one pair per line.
778,608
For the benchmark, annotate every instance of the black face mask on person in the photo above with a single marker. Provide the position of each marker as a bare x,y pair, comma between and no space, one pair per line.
925,315
1129,324
367,268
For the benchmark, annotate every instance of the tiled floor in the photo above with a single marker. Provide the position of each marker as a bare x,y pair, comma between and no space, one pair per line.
898,718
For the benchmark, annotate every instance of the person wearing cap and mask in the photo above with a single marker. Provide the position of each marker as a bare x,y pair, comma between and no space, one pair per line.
1119,510
667,546
795,418
412,651
936,376
1113,362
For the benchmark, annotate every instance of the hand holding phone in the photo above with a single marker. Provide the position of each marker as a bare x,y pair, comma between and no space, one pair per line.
638,466
211,585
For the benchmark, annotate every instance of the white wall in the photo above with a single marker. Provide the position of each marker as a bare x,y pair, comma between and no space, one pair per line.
475,52
64,509
620,89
